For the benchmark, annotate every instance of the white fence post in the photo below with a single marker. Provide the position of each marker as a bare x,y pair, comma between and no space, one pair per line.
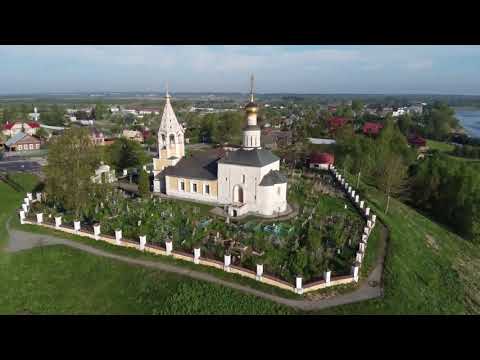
298,285
39,196
374,218
357,199
76,226
367,211
125,172
118,236
22,217
196,255
369,224
58,221
30,196
361,204
364,238
355,268
143,241
366,230
25,208
259,271
327,275
227,262
361,247
169,247
353,193
39,218
26,200
96,231
358,257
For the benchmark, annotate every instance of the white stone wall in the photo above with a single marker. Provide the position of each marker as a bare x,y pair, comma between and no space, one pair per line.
262,199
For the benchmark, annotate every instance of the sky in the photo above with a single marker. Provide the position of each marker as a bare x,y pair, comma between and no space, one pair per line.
398,69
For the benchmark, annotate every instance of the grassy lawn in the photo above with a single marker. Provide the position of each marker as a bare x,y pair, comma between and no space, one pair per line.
11,199
60,280
440,146
429,270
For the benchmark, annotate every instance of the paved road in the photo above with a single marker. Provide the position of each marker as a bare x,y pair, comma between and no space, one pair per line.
21,240
20,166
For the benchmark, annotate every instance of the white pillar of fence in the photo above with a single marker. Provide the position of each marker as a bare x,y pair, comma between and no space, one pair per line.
196,255
25,208
125,172
26,200
361,247
367,211
39,196
327,275
96,231
169,247
366,230
259,271
22,217
358,257
58,221
374,218
355,268
364,238
227,261
143,241
298,285
30,196
76,226
39,218
118,236
361,204
353,193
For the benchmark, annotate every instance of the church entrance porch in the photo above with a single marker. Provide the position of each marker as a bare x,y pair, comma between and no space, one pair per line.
237,209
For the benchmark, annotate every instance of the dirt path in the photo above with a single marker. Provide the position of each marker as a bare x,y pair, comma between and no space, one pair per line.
21,240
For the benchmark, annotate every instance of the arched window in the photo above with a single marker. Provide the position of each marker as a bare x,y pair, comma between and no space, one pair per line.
172,139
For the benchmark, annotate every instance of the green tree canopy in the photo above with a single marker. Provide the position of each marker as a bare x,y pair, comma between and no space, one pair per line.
125,153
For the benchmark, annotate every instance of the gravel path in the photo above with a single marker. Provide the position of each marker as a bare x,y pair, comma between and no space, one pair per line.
369,289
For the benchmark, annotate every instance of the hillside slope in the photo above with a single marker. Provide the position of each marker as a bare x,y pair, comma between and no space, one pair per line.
429,270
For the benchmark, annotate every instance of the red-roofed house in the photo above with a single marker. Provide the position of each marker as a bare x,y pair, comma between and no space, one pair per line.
336,123
13,128
417,141
321,160
372,128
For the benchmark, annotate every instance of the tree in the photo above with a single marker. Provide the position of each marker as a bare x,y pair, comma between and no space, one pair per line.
125,153
71,162
143,184
357,106
42,133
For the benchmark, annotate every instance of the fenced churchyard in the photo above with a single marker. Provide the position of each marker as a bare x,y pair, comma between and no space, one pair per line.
323,245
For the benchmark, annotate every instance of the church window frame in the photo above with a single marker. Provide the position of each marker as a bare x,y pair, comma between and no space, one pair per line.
181,185
244,179
206,189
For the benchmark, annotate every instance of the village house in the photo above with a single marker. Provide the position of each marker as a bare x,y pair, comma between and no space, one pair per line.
22,142
134,135
336,123
321,160
97,137
273,139
13,128
372,128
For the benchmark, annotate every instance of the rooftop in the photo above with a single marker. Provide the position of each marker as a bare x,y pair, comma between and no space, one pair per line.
255,157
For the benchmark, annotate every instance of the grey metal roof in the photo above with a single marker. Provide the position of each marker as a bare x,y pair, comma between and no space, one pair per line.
15,138
255,157
199,166
273,177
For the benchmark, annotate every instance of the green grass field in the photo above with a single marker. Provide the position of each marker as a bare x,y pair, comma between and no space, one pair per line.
440,146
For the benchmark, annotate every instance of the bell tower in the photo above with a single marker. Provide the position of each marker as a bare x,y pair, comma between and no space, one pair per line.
171,142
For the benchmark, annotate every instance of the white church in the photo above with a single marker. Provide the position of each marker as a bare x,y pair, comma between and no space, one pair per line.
243,181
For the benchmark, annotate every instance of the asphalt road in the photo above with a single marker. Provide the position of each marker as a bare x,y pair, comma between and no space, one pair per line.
20,166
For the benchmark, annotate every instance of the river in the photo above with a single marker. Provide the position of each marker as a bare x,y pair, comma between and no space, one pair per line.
470,120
